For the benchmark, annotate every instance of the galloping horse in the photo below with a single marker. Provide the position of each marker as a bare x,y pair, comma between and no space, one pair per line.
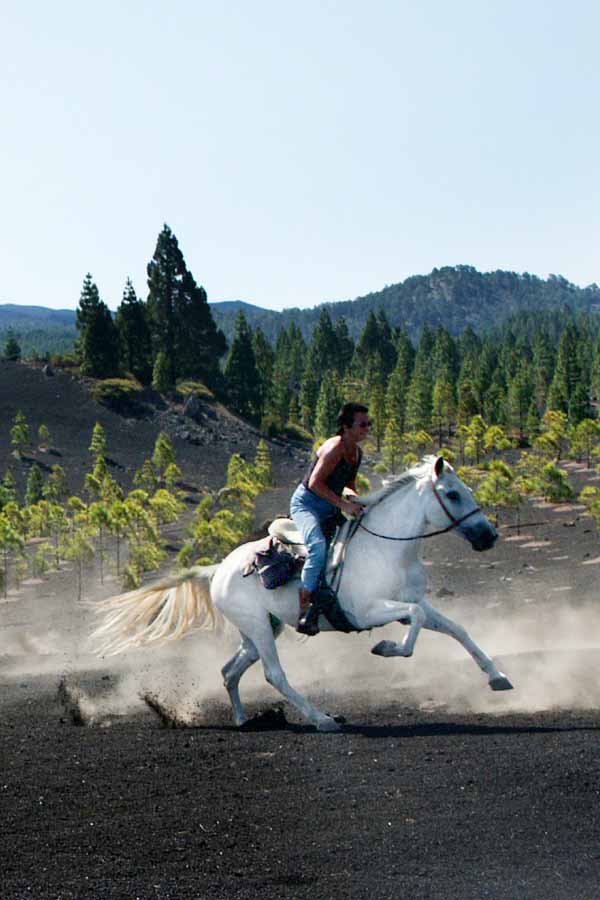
383,581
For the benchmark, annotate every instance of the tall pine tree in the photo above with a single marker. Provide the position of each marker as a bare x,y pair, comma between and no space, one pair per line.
241,374
135,346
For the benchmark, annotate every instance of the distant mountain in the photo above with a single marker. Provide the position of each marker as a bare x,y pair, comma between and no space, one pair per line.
13,316
453,296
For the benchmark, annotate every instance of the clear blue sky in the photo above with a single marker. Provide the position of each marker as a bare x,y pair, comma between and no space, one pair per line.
301,152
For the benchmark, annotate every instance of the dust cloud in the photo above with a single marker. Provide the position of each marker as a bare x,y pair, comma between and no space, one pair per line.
547,645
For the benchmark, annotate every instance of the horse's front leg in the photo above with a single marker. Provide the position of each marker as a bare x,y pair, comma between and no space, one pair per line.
435,621
383,613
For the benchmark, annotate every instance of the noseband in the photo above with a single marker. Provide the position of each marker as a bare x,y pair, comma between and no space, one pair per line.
454,522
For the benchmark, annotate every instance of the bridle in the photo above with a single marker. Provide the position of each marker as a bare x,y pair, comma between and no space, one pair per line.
454,522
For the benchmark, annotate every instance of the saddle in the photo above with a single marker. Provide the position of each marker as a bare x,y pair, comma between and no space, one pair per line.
284,531
281,555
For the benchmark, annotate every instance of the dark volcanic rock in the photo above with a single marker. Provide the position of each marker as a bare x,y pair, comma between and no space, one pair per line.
64,404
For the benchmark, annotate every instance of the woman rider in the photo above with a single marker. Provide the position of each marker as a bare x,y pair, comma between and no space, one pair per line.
318,497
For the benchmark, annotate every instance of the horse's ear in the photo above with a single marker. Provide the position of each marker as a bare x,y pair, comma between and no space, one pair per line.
439,467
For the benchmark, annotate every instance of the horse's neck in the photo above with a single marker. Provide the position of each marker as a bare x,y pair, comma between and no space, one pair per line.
379,570
400,517
378,558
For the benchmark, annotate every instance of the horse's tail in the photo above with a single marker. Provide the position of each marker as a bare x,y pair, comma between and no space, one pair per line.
160,612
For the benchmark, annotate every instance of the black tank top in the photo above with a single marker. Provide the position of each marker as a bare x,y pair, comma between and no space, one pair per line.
343,474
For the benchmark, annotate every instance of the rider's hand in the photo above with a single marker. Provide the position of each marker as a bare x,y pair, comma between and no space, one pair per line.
352,508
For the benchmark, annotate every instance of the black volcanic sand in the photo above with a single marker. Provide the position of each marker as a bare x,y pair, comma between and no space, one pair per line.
436,787
64,404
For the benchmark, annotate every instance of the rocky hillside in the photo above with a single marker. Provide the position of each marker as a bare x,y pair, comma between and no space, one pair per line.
204,436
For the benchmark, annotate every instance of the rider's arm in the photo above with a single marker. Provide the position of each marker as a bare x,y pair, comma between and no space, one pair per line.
327,460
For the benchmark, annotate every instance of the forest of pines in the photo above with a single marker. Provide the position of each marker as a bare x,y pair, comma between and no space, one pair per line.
511,375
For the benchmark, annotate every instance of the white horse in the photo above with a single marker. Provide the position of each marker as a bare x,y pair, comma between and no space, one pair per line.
383,581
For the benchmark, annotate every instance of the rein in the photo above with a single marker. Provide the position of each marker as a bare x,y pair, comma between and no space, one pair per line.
454,522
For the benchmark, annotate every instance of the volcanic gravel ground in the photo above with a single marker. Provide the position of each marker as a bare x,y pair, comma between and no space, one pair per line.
402,803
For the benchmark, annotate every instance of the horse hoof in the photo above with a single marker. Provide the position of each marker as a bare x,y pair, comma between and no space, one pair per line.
384,648
501,683
328,725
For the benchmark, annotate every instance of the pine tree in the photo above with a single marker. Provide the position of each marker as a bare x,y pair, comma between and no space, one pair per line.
164,453
20,434
34,491
445,355
43,437
387,350
146,477
309,394
12,350
567,373
520,395
98,443
264,357
532,423
165,274
162,378
395,398
135,346
468,405
368,343
552,440
99,340
495,403
9,486
263,464
579,405
56,489
345,346
397,389
475,443
241,374
443,412
543,365
179,317
327,408
420,392
377,409
393,443
405,359
199,344
584,440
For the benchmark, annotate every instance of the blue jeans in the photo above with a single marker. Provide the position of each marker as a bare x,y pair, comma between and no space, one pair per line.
309,512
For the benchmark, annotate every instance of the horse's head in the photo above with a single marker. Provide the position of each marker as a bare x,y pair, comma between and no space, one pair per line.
452,502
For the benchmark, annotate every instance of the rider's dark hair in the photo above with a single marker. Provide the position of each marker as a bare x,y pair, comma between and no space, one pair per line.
346,415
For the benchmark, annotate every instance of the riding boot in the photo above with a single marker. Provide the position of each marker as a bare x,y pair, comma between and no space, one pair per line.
308,621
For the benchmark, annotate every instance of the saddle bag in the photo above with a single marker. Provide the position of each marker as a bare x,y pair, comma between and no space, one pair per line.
275,566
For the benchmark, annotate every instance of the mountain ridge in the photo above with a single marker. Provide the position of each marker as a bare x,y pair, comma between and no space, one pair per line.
452,296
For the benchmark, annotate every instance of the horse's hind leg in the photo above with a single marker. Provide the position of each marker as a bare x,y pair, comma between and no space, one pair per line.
264,643
233,670
435,621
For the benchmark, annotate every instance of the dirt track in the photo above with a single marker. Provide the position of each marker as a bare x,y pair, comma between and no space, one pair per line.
436,787
403,803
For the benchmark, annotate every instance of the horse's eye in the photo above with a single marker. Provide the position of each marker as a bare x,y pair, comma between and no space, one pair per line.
453,496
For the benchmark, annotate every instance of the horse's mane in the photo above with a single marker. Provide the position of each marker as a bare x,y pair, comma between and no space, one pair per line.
419,473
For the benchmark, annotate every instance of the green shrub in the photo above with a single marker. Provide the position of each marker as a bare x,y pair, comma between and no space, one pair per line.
380,468
116,392
186,388
65,361
294,432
